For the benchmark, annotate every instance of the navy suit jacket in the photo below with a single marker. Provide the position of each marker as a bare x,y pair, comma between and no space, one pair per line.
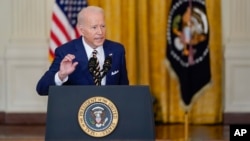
117,75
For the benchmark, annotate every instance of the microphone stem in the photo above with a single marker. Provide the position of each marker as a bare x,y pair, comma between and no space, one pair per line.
99,81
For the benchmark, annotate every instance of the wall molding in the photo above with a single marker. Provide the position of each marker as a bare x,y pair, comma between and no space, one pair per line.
22,118
2,117
236,118
40,118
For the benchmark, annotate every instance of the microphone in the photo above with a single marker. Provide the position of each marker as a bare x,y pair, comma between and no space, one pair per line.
92,65
107,65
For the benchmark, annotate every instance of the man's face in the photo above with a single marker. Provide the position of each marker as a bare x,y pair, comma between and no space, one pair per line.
93,29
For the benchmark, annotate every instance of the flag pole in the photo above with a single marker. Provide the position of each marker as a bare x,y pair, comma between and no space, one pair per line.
186,126
186,121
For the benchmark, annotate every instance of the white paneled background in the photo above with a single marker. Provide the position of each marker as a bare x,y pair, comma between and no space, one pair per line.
24,43
236,43
2,84
24,34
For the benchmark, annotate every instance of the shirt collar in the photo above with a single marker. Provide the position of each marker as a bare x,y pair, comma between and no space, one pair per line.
89,49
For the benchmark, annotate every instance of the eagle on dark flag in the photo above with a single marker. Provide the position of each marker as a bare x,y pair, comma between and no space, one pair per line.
188,46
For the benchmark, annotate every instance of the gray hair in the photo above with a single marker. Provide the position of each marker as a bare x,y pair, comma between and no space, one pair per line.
85,10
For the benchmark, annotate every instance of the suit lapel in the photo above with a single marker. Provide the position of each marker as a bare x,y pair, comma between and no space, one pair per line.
81,56
107,51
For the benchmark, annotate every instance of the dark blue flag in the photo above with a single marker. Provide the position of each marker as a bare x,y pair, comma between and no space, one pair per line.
188,46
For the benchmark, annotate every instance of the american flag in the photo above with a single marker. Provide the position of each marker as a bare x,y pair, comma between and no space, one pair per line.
64,20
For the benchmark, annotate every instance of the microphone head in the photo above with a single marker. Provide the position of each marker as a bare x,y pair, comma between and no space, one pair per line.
107,64
92,64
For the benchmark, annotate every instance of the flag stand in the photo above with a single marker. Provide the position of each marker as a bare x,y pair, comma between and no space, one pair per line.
186,128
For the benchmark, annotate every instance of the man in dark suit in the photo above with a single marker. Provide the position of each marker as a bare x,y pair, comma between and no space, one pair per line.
71,63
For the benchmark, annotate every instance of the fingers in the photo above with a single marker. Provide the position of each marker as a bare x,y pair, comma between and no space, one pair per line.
74,64
69,57
67,66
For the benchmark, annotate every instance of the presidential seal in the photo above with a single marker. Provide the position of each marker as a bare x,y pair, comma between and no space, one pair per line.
98,116
188,33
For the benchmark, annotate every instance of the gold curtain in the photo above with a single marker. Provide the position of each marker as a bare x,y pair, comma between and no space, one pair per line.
141,26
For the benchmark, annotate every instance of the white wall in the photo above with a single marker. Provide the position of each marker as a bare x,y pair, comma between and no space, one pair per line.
236,43
23,48
23,54
4,35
